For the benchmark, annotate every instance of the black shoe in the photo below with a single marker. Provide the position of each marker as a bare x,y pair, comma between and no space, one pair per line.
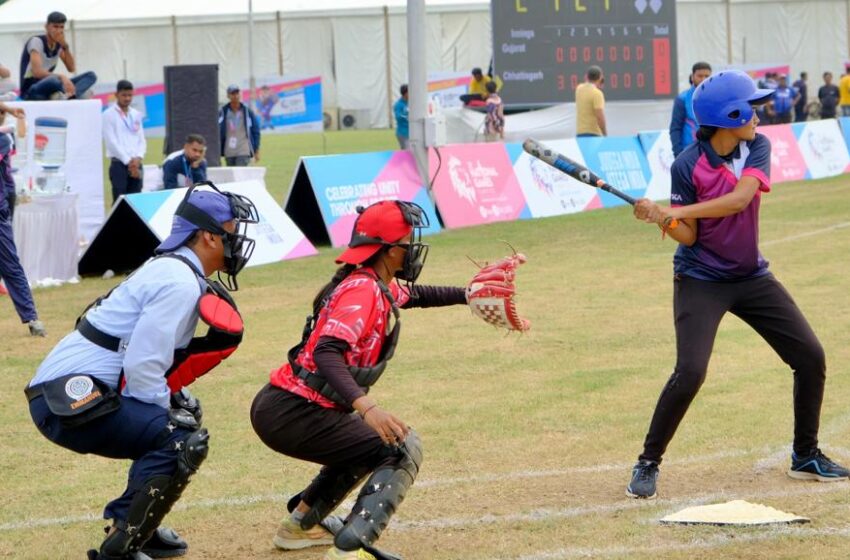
644,475
165,543
95,555
816,466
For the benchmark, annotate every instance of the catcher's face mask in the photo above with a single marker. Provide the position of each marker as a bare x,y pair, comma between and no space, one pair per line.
417,251
238,247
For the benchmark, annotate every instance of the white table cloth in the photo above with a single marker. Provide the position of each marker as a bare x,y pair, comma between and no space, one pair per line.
47,235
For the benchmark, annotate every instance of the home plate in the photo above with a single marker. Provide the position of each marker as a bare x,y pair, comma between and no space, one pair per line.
736,512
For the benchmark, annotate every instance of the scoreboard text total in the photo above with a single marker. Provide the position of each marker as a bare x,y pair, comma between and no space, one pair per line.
542,48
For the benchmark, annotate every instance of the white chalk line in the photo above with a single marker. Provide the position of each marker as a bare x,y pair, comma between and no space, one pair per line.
239,501
804,235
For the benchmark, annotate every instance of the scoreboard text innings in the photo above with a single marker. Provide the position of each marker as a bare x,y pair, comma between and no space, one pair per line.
542,48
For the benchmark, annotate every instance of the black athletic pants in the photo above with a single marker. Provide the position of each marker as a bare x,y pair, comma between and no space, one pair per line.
122,183
765,305
296,427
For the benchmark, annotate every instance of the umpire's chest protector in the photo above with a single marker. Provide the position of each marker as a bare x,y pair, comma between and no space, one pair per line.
218,310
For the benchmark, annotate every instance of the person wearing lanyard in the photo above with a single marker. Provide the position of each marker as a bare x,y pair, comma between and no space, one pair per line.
125,142
115,386
186,167
239,130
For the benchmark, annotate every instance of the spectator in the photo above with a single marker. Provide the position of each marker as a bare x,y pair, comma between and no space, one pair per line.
844,92
38,62
125,142
9,134
782,104
828,96
266,102
238,130
10,264
477,94
186,167
590,105
7,86
494,122
800,113
401,111
683,124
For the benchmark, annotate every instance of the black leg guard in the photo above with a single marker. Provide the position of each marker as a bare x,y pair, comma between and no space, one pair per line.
380,497
158,494
334,486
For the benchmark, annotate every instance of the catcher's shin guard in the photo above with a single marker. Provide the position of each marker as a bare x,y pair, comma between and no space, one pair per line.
380,497
332,485
154,500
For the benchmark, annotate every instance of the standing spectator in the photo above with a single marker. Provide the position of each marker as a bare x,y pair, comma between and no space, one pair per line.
238,130
494,122
38,62
828,96
10,264
265,104
186,167
844,92
590,105
401,112
782,104
125,142
800,113
683,124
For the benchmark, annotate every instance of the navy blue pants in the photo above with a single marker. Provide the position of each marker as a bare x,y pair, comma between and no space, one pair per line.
122,183
137,431
44,88
11,270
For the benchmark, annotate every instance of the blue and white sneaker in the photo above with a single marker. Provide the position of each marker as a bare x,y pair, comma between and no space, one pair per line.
816,466
642,485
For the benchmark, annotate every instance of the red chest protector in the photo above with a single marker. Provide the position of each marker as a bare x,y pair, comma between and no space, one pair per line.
217,309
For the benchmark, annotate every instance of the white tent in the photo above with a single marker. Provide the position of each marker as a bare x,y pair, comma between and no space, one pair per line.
359,47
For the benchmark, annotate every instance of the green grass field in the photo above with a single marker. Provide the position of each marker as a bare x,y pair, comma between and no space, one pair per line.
529,440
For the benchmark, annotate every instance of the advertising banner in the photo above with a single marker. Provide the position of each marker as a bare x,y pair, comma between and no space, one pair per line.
549,192
823,148
786,160
287,104
621,162
326,191
475,184
658,150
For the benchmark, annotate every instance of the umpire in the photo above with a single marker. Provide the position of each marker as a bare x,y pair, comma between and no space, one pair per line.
114,387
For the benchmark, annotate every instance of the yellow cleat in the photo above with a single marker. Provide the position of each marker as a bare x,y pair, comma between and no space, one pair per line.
334,553
290,536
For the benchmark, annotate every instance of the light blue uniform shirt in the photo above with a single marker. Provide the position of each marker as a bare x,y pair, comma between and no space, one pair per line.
153,312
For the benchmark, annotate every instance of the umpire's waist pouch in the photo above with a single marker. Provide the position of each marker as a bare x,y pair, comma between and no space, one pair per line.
76,398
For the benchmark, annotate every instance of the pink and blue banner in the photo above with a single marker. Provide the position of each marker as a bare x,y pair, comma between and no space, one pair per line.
287,104
658,150
328,189
620,161
475,184
549,192
823,148
786,160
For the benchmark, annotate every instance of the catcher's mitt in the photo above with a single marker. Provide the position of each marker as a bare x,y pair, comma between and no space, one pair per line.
490,294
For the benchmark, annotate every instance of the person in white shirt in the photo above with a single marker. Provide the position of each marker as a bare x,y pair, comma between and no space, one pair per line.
115,386
125,142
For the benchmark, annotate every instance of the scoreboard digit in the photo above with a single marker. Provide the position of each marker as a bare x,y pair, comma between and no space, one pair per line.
542,48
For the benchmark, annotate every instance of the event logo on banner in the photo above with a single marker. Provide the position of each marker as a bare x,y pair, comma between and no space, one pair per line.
277,238
475,184
786,160
286,104
337,185
823,148
620,161
148,99
549,192
445,88
658,150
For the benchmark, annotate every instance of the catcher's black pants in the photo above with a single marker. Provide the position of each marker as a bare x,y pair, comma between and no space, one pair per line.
294,426
765,305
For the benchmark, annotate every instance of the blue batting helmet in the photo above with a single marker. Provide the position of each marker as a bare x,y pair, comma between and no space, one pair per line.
725,99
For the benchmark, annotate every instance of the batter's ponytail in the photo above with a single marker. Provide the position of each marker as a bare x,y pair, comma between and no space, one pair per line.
704,133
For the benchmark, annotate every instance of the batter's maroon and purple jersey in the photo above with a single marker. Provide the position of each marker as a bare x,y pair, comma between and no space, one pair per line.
357,313
726,248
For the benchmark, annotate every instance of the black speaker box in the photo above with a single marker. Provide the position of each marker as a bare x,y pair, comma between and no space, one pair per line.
191,107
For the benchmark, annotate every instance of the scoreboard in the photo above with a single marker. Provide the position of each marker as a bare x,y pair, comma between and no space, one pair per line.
542,48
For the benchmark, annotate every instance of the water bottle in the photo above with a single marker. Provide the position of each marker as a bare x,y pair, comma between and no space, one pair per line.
49,147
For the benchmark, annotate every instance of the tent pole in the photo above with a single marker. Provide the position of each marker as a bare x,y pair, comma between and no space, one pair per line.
74,36
174,39
388,57
728,31
251,83
279,46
